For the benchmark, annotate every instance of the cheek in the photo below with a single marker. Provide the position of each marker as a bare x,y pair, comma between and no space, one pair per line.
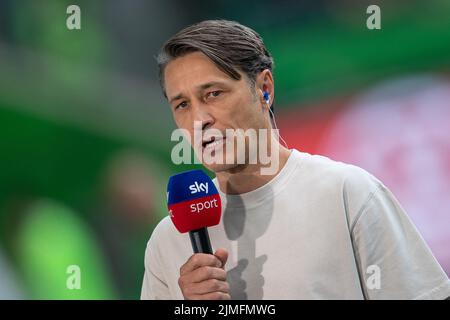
248,115
240,112
182,121
178,122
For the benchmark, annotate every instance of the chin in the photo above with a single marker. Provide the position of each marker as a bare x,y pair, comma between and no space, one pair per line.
216,168
223,165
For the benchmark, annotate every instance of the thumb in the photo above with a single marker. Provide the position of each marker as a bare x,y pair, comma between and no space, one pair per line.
222,255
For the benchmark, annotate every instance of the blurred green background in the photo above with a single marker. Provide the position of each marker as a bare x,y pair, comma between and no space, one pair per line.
85,131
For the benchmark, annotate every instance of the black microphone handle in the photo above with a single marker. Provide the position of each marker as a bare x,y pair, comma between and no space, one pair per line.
200,241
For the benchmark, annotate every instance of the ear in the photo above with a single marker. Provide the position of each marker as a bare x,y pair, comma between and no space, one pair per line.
264,83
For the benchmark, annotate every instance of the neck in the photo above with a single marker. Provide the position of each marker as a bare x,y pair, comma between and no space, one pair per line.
248,177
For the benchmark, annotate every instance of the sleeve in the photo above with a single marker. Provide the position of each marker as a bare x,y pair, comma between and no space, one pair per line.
394,261
153,285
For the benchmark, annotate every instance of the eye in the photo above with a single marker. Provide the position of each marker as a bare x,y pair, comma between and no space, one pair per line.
181,105
214,94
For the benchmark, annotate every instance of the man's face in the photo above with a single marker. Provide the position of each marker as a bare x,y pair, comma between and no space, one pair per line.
198,90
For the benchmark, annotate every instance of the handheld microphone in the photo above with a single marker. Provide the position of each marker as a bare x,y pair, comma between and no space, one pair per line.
194,204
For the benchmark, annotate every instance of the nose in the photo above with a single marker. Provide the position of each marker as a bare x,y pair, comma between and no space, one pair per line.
203,115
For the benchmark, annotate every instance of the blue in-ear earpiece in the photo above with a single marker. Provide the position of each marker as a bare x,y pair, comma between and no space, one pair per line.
266,96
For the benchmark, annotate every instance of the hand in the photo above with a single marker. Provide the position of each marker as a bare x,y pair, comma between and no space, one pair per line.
203,277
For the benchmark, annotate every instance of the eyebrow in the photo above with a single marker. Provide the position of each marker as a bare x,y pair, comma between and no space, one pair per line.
201,87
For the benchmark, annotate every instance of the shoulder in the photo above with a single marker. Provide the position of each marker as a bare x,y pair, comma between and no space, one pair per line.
325,169
155,244
165,238
354,184
162,230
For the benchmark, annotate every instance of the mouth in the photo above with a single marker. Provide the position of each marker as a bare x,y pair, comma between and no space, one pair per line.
212,143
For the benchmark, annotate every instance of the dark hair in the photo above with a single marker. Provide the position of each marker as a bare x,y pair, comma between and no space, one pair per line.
230,45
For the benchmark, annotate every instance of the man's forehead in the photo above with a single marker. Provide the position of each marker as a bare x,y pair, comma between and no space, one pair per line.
194,70
190,65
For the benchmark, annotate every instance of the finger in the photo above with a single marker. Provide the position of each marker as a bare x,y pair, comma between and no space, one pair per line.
212,296
222,255
208,286
199,260
206,273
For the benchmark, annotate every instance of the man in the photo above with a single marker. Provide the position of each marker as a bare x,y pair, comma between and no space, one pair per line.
313,229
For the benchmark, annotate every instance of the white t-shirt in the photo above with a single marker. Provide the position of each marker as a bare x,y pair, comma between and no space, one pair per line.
320,229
